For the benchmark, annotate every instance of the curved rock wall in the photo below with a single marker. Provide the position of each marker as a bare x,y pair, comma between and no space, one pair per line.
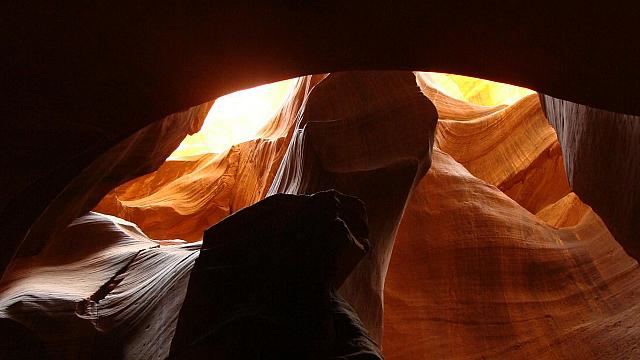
185,197
496,258
369,135
139,154
79,79
331,132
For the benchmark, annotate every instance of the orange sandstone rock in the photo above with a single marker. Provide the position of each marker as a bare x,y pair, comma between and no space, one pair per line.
496,258
186,196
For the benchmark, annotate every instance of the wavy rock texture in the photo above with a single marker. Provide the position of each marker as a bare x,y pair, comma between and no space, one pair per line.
139,154
81,78
185,197
496,258
332,127
81,296
511,147
602,158
339,144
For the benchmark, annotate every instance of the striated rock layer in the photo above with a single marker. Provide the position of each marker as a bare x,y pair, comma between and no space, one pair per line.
100,289
186,196
475,275
511,147
367,134
496,258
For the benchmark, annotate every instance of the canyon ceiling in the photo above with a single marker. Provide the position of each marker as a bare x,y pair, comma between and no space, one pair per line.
510,240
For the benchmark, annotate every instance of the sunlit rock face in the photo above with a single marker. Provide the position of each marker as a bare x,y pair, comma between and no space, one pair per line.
496,258
328,135
474,90
512,147
196,189
367,134
236,118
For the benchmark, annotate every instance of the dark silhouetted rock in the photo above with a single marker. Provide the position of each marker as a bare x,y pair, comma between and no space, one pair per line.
264,286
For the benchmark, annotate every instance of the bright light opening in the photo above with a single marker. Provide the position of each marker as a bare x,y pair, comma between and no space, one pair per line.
477,91
239,117
236,118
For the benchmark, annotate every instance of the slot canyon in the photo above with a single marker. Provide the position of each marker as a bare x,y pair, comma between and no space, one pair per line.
310,180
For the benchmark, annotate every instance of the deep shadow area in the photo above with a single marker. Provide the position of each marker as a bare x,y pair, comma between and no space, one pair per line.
265,284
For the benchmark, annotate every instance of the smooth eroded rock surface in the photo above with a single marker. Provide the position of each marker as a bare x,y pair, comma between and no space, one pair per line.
186,196
101,289
495,258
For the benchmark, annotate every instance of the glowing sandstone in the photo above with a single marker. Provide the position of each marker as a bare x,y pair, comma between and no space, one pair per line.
511,147
236,118
473,274
482,273
187,195
474,90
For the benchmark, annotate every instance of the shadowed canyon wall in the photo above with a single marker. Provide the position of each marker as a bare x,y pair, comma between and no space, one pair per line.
602,158
80,79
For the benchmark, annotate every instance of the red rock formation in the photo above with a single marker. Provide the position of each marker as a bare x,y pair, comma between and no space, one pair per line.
482,271
336,127
341,107
495,257
511,147
338,144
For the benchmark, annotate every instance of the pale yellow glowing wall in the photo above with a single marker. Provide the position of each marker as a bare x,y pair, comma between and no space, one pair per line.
235,118
240,116
478,91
